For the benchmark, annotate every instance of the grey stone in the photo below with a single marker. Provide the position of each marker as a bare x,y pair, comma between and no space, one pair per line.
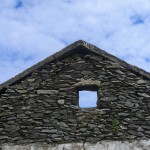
49,131
141,81
129,104
86,73
147,127
120,72
92,125
4,137
31,80
61,101
47,92
62,124
83,129
57,139
1,129
123,114
140,129
54,135
21,91
133,126
144,95
133,132
66,138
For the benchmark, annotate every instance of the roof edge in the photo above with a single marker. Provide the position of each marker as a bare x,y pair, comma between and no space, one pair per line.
116,59
69,49
52,57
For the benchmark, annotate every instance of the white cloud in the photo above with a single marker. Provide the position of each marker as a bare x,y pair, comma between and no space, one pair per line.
36,29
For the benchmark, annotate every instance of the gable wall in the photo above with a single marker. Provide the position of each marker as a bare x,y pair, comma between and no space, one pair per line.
44,106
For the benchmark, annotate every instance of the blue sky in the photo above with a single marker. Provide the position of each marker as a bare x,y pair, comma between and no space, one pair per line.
87,99
31,30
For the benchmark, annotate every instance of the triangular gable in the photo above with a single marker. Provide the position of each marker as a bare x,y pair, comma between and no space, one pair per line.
67,51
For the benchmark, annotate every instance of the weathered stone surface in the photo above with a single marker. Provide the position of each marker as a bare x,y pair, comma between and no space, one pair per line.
87,82
21,91
123,114
140,145
141,81
61,101
144,95
105,145
49,131
1,129
62,124
44,106
140,129
31,80
129,104
47,92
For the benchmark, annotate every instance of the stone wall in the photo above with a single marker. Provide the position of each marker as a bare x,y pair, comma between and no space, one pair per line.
104,145
43,107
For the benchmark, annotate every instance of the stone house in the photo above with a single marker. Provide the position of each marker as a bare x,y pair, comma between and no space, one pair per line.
39,108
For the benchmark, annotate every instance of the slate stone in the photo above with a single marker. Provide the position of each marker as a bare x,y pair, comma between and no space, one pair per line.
43,106
61,102
31,80
47,92
4,137
141,81
123,114
92,125
1,129
62,124
21,91
140,129
49,131
144,95
129,104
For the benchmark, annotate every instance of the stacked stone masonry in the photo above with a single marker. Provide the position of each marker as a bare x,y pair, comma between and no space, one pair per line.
44,106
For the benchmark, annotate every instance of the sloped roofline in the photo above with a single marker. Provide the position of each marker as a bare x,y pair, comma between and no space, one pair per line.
69,49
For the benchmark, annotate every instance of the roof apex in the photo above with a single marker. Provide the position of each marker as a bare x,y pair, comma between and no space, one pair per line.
69,49
52,57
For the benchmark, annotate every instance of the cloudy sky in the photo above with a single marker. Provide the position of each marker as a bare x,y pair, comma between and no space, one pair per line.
87,99
31,30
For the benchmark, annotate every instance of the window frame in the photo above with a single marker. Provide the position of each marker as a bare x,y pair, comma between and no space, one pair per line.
94,100
88,88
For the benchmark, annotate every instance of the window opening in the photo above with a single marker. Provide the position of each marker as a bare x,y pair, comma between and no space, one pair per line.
87,99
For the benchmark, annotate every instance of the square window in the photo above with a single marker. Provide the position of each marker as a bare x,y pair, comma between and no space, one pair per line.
87,99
